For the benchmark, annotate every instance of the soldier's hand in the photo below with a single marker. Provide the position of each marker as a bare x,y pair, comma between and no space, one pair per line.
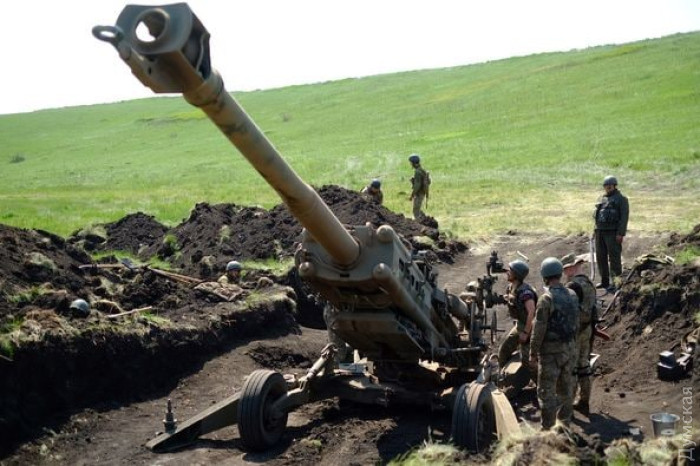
619,239
533,361
523,337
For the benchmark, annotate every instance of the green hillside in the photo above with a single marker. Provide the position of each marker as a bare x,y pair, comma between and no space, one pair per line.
516,144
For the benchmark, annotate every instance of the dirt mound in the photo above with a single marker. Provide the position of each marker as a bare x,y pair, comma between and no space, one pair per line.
133,233
678,241
37,263
655,309
214,234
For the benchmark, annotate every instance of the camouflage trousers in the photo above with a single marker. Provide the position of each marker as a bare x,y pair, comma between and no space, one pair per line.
583,366
344,353
509,344
555,386
417,206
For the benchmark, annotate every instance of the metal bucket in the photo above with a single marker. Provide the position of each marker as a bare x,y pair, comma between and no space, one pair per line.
664,424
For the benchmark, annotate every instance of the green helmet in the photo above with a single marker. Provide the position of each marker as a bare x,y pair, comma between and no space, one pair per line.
519,268
234,265
80,307
414,158
551,267
610,180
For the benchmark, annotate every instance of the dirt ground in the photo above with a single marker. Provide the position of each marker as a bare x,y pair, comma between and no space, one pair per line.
94,390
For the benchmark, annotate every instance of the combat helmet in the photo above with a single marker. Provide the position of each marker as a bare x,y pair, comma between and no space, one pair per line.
414,158
519,268
80,307
376,184
610,180
551,267
234,265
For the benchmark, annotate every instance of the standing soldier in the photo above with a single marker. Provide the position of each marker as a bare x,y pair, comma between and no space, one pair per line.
611,215
521,299
419,186
552,347
585,291
373,192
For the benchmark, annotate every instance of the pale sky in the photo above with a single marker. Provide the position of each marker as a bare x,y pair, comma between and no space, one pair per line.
50,58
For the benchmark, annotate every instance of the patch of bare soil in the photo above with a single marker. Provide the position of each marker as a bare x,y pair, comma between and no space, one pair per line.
93,390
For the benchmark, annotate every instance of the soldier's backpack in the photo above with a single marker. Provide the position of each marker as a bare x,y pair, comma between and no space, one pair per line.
563,321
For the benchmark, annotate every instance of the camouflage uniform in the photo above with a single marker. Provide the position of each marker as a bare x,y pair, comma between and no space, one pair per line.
553,341
585,290
226,280
516,310
373,195
611,215
419,187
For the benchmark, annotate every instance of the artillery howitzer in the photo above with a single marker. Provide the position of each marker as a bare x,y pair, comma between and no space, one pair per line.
390,308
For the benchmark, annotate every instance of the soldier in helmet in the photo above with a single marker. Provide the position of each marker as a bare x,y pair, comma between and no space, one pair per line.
553,345
588,312
80,308
373,192
611,215
521,299
232,275
419,186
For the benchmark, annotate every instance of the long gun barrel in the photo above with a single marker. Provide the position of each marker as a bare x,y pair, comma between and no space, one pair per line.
389,303
175,59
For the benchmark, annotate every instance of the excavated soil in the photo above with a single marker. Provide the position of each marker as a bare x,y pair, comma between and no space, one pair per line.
93,390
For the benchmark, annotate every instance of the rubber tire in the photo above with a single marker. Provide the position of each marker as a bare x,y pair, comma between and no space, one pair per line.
261,389
473,418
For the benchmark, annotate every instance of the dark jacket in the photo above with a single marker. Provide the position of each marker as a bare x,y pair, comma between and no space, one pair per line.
611,213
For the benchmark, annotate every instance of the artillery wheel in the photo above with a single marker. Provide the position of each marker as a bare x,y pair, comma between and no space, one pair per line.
258,427
473,418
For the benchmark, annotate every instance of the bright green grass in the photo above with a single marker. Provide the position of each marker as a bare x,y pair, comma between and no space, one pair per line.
518,144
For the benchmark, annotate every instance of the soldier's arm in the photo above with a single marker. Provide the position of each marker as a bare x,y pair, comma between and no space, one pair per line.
530,308
624,216
380,197
540,328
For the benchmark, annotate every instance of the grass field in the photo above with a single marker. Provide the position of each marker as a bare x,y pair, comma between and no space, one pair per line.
518,144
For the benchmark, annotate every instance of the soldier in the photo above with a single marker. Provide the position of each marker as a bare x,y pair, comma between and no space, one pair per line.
521,299
232,275
552,346
373,192
585,291
611,215
419,186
